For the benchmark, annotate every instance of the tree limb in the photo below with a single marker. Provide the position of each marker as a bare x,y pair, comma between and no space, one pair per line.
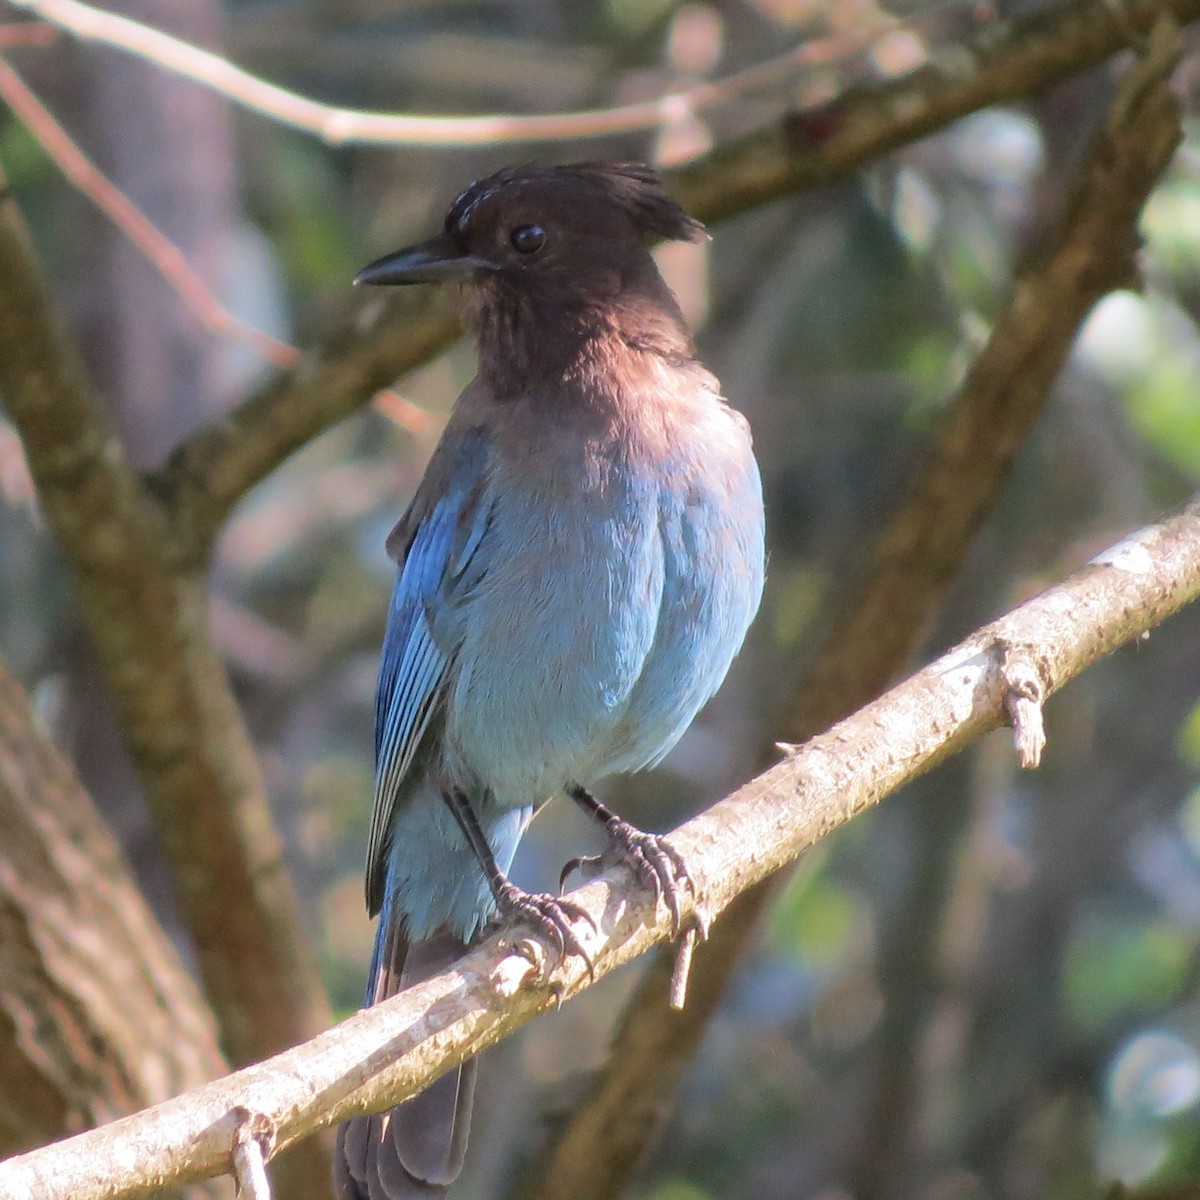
1006,60
1091,251
878,626
211,471
147,615
388,337
386,1053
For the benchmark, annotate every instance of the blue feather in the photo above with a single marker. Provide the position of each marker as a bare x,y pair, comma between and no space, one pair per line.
414,664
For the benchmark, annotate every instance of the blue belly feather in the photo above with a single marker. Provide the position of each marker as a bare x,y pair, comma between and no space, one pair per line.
577,637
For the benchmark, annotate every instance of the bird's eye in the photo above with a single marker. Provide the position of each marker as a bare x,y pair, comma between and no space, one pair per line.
528,239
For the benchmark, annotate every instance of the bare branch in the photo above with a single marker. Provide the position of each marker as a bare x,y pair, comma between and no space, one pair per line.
216,466
252,1147
386,1053
1023,700
1091,251
27,33
1005,61
343,126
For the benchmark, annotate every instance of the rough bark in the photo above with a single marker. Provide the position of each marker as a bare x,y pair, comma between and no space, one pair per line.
98,1017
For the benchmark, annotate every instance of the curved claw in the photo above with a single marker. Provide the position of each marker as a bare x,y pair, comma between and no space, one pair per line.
550,916
574,864
654,861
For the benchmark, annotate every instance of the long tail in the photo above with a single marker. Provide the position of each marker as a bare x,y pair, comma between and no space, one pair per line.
415,1151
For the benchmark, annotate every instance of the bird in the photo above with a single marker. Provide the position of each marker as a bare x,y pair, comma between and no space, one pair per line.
576,571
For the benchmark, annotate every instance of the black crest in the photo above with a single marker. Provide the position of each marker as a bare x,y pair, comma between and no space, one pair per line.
635,188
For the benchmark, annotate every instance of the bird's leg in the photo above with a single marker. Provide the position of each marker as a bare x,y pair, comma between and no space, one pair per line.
550,915
653,859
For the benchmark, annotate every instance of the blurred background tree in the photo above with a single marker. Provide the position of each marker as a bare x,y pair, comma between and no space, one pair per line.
990,986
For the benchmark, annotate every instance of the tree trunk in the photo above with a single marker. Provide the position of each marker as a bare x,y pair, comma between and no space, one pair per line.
98,1017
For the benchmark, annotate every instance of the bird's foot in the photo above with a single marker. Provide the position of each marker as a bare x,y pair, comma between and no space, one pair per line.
654,861
550,916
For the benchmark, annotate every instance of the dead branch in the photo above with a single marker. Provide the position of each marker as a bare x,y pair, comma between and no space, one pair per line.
343,126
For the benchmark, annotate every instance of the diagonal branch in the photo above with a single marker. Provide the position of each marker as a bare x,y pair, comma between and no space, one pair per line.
604,1139
159,250
1091,251
162,253
217,465
386,1053
212,470
1005,61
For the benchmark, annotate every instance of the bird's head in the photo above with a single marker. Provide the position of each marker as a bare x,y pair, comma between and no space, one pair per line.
555,232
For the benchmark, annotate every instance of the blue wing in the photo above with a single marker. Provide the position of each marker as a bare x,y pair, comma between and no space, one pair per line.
443,536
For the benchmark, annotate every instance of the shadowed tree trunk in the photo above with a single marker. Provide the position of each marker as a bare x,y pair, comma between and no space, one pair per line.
97,1015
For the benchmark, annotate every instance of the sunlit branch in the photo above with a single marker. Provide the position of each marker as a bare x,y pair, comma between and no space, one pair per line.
386,1053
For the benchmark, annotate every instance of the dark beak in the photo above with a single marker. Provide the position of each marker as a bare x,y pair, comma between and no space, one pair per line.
438,260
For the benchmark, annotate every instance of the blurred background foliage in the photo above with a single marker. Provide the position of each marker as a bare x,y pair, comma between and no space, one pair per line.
988,987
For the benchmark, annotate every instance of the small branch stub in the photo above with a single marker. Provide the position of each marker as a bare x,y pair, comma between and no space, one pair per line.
1024,693
696,932
255,1139
683,968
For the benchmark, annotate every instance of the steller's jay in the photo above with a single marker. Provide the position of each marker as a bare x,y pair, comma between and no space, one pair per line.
577,569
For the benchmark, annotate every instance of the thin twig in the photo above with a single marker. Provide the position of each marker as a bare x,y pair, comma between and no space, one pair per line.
684,952
340,126
1023,702
161,252
386,1053
27,33
15,481
250,1171
164,255
253,1144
